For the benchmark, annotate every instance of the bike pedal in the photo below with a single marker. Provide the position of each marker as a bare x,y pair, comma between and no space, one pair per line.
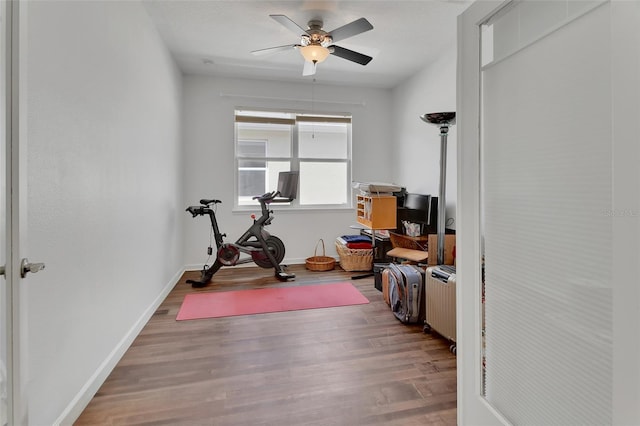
196,284
284,276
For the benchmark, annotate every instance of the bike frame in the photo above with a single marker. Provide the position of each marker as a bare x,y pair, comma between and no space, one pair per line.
244,244
255,230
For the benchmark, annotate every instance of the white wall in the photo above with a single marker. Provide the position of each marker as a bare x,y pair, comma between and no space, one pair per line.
209,105
417,155
104,192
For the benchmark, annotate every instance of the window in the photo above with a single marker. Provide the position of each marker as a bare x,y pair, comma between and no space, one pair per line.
318,146
252,174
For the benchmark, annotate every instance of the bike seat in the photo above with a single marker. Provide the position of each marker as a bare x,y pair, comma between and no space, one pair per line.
206,202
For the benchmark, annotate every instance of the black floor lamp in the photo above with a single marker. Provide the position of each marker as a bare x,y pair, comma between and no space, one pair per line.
443,120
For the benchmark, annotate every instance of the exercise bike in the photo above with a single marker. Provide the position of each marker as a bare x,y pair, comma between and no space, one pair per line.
264,249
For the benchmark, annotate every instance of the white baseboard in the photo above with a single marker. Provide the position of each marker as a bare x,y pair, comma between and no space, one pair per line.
86,393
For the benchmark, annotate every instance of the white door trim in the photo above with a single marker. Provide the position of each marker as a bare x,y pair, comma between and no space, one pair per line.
16,213
472,407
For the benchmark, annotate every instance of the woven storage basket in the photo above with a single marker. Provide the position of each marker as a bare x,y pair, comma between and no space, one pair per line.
320,263
354,259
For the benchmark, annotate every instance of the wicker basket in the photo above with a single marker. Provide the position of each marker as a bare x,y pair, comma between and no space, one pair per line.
320,263
354,259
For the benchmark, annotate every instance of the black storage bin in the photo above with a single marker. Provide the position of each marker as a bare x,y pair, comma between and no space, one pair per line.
377,274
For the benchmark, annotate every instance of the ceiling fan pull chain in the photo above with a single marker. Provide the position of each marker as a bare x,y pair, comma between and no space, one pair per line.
313,126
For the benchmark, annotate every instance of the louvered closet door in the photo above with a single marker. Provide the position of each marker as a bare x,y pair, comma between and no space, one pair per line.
558,215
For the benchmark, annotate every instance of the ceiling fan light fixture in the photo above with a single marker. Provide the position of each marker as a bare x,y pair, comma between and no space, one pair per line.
314,53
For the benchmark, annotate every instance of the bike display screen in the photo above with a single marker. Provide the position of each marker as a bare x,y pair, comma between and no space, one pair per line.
288,184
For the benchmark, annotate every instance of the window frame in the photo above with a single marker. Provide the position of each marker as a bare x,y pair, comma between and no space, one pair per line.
295,160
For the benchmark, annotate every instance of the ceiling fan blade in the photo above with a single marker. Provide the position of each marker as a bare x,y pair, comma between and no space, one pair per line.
350,55
309,68
349,30
288,23
276,49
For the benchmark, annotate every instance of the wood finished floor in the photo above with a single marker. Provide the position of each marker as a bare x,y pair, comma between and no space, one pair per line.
354,365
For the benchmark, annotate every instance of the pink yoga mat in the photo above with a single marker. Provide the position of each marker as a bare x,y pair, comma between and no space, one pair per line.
264,300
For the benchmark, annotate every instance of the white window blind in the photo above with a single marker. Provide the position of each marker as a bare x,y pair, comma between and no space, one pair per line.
546,200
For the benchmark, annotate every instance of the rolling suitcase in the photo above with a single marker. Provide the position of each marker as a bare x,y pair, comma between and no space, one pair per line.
385,285
405,292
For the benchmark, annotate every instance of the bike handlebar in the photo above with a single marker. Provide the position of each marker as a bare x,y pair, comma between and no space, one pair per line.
266,197
270,197
198,210
282,200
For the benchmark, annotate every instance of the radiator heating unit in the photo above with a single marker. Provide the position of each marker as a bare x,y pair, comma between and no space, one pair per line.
440,301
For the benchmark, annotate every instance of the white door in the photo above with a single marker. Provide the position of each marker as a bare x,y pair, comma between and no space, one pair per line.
13,407
549,213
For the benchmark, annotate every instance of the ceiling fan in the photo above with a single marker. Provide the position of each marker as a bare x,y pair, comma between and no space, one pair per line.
316,44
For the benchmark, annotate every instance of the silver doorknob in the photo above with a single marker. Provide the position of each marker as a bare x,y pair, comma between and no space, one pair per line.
25,267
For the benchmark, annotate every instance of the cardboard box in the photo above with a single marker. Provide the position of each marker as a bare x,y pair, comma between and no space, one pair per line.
449,249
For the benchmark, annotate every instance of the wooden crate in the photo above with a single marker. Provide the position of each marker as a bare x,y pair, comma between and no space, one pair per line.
377,211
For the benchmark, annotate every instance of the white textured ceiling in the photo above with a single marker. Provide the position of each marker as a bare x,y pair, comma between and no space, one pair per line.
216,37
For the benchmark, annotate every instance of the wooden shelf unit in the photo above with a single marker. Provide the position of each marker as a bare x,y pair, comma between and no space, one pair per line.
377,211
